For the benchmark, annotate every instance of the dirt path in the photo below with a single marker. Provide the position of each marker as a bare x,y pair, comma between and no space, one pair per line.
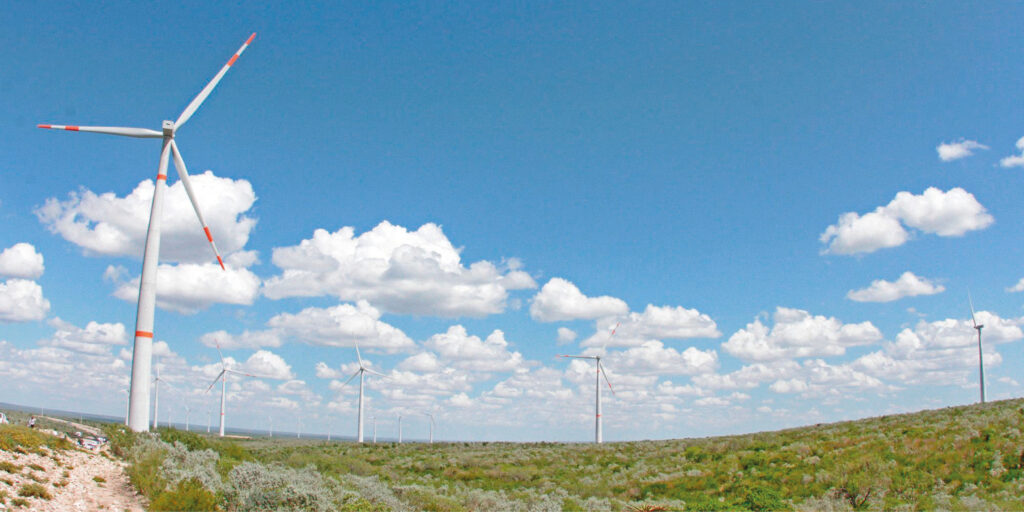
77,480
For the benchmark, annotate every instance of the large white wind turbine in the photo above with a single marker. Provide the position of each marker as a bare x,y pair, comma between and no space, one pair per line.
362,370
598,436
223,378
138,409
981,362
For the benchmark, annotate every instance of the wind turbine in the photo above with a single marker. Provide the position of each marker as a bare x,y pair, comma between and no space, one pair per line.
156,396
142,352
271,418
981,362
399,429
223,378
431,428
188,413
362,370
598,438
374,430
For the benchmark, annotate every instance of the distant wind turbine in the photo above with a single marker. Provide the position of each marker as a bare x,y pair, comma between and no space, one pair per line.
374,430
598,437
223,378
431,428
156,396
138,409
271,418
981,361
362,370
399,429
188,412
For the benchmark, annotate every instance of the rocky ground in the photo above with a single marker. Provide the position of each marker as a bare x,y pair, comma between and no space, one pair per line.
75,480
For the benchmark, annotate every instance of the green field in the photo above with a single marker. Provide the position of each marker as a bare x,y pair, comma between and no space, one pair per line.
959,458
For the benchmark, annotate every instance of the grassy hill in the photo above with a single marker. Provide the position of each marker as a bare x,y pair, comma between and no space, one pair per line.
958,458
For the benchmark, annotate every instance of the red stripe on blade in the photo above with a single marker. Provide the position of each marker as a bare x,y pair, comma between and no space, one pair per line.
253,36
208,235
143,334
221,263
233,59
44,126
71,128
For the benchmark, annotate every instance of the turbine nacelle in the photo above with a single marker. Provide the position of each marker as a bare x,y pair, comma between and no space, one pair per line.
169,129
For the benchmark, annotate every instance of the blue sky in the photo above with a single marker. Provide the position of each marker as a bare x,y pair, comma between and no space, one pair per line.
720,180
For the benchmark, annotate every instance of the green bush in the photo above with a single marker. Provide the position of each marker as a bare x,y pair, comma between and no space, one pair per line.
21,439
761,499
192,440
9,467
34,491
186,495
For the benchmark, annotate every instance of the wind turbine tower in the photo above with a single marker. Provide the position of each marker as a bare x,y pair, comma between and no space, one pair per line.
142,352
360,372
598,434
981,361
223,378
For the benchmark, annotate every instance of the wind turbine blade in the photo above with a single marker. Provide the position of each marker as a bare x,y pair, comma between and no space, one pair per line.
610,336
179,163
971,302
577,357
217,343
142,133
254,375
192,107
601,367
358,355
367,370
352,377
219,375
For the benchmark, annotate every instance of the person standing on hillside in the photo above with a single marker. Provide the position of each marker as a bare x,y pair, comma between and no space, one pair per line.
32,422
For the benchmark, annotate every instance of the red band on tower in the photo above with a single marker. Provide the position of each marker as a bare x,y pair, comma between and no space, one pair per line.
143,334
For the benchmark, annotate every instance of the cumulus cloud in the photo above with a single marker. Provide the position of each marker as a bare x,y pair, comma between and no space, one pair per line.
655,323
940,352
424,362
105,224
949,151
820,378
797,333
567,335
400,271
188,288
265,363
468,352
22,301
1019,287
343,325
1015,160
908,285
22,261
654,358
560,300
749,376
247,339
95,338
951,213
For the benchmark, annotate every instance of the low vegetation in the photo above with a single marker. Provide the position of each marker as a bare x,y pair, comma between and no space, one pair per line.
963,458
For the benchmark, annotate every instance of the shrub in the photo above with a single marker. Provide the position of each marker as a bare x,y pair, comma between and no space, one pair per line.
99,479
9,467
760,499
193,441
21,439
36,467
255,487
180,464
188,494
34,491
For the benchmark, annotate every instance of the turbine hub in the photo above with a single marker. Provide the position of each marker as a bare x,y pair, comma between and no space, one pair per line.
168,127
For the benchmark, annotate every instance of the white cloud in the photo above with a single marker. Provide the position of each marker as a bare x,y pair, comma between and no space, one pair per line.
941,352
560,300
1019,287
189,287
951,213
95,338
343,325
1015,160
655,323
460,400
797,333
424,362
567,335
21,260
22,301
106,224
410,272
908,285
248,339
471,353
949,151
654,358
264,363
749,376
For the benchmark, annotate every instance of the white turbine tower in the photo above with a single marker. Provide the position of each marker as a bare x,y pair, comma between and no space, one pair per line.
138,409
156,396
223,378
399,429
374,430
981,361
598,435
362,370
431,428
188,413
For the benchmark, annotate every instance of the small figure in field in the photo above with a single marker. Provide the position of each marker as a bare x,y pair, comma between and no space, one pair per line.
32,422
